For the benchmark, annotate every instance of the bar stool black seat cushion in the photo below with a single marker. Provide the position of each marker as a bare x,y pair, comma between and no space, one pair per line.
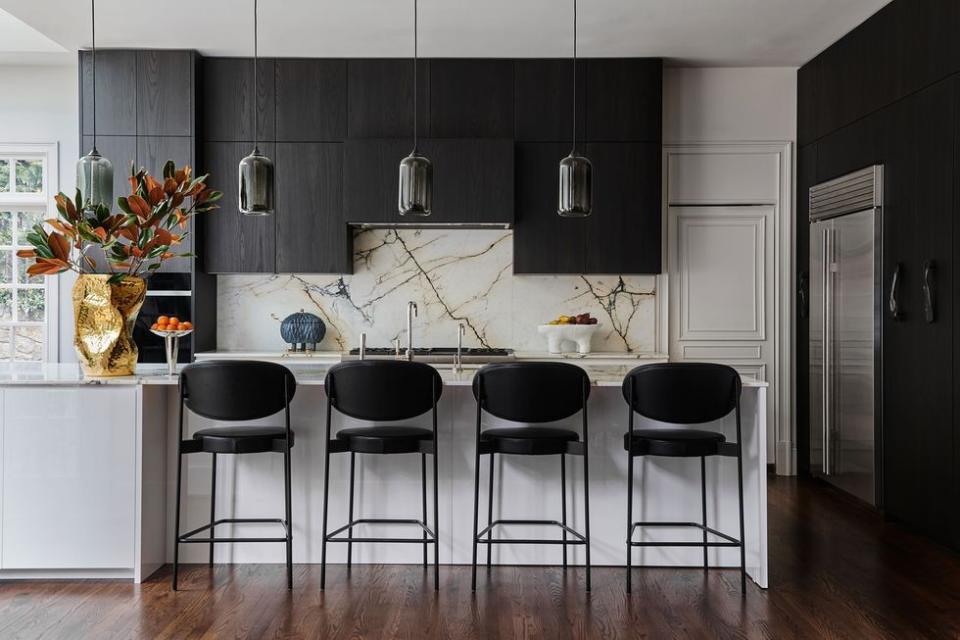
530,441
682,443
385,438
242,439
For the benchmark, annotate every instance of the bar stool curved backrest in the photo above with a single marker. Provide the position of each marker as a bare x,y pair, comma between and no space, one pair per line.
236,390
531,391
383,390
683,392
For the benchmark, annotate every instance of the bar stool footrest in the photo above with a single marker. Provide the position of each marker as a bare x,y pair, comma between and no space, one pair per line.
728,541
578,537
430,539
188,537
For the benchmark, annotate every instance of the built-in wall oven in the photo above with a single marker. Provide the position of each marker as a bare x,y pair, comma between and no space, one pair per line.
168,294
845,368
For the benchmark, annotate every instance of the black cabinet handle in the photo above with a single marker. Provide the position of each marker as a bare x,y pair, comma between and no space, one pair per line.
895,312
803,294
929,291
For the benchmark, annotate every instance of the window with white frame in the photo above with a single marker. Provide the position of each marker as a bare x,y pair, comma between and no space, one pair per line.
28,304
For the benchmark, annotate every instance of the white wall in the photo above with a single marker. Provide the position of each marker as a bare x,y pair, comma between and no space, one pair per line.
729,104
40,104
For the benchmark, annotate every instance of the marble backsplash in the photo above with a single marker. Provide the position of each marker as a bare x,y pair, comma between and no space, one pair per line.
454,276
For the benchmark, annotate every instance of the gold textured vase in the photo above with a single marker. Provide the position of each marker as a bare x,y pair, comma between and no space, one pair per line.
103,316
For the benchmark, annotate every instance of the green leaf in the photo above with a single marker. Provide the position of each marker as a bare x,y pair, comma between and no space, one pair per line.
155,266
124,205
116,278
169,169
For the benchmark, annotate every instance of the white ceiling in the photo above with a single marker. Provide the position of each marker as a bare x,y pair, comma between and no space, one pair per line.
696,32
20,42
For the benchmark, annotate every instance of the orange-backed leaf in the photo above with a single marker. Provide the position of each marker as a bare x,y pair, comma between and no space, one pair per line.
139,206
152,182
166,255
180,175
156,195
162,236
121,265
59,246
176,200
130,233
133,183
27,253
47,266
101,233
175,238
169,186
181,219
65,205
62,227
136,251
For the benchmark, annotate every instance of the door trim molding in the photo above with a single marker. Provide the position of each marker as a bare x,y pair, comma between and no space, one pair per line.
784,290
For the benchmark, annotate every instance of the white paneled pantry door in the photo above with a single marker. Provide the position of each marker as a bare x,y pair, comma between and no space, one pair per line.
728,247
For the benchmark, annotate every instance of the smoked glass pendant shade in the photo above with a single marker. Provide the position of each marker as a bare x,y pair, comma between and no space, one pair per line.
256,185
576,190
95,180
416,185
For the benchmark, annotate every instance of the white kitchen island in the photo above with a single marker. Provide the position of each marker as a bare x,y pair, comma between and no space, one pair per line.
88,472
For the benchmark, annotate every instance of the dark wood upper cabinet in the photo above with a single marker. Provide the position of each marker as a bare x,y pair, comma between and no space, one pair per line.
116,93
471,98
380,98
227,99
544,100
623,99
543,242
473,180
165,98
311,100
152,154
623,234
312,233
234,243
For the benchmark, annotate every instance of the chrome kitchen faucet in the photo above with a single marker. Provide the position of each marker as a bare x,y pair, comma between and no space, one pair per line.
411,312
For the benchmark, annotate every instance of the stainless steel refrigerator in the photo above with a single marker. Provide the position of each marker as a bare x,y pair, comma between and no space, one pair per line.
845,285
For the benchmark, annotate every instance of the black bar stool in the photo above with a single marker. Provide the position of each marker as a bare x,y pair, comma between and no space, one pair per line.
383,391
532,393
234,391
683,393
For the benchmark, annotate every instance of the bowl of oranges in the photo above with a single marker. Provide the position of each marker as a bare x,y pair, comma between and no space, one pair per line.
171,326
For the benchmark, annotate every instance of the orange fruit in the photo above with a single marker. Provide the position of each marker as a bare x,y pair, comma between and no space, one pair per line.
186,326
174,320
163,320
173,327
154,326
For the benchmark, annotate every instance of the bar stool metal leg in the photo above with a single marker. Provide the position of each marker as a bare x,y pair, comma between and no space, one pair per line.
743,535
630,515
493,458
703,500
326,502
353,457
476,517
213,503
586,485
436,507
176,526
423,495
563,499
289,512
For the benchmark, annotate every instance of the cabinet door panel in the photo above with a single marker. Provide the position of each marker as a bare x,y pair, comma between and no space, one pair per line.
623,234
544,90
226,90
543,242
471,98
311,100
312,237
68,477
116,92
165,104
234,243
380,98
623,99
152,153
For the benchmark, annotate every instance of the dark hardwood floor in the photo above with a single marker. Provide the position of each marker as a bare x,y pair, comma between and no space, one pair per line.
837,571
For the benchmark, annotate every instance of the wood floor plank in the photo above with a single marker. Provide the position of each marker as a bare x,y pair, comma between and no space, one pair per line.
837,570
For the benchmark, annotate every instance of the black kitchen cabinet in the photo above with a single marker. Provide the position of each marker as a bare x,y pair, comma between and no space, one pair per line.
227,99
234,243
165,97
544,100
542,241
312,235
380,98
471,98
806,178
623,99
473,180
311,100
116,93
152,153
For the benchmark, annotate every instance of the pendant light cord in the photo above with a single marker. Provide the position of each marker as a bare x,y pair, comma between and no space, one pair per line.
93,63
415,52
573,151
255,86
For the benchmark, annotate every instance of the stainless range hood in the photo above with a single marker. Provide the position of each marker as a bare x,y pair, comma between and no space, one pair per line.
430,225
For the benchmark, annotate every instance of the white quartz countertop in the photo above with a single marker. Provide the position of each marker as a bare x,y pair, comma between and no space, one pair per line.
601,375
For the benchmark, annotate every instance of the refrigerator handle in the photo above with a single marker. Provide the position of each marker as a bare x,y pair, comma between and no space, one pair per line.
895,312
929,291
827,328
803,294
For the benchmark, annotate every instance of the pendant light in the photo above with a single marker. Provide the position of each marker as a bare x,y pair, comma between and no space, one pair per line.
416,170
94,172
256,170
575,170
